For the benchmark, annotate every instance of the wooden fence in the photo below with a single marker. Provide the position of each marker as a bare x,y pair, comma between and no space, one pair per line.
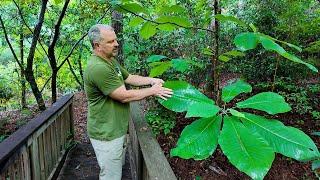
36,150
147,160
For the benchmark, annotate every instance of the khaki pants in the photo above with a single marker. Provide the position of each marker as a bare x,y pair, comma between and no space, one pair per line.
110,156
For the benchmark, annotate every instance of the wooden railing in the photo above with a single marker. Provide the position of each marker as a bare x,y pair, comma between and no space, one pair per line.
147,160
36,150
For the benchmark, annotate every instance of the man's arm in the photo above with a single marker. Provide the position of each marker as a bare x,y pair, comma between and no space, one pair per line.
137,80
123,95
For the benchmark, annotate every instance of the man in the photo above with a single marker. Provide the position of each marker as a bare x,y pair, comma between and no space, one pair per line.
108,107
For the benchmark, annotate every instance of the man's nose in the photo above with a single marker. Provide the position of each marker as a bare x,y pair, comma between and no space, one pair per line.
116,43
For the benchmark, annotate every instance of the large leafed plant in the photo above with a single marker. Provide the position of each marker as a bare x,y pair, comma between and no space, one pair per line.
249,141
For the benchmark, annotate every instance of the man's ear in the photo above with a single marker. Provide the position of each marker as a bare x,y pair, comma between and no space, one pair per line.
95,44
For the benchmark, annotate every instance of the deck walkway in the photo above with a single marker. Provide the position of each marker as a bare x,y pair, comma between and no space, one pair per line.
81,164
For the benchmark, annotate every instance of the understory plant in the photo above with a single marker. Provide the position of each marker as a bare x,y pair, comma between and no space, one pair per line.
248,140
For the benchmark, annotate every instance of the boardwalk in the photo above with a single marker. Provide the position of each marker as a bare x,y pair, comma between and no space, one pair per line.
81,164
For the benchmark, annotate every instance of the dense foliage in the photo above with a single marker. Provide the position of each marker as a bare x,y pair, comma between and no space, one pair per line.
274,45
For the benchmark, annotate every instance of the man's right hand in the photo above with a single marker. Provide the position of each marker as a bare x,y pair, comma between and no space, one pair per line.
161,92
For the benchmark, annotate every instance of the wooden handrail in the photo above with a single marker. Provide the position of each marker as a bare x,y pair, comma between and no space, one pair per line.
41,140
146,157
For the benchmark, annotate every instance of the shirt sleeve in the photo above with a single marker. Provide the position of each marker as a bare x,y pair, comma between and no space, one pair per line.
105,79
124,72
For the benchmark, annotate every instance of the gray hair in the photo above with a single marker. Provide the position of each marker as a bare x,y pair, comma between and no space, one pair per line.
94,33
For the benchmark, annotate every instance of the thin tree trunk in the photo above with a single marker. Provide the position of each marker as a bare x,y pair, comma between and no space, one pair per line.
22,77
29,71
214,60
80,66
54,86
117,24
51,53
74,74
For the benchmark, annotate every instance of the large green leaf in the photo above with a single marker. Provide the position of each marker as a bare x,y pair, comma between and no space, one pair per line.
197,110
224,58
288,141
250,40
131,7
178,20
224,18
155,58
207,51
148,30
246,150
232,90
269,102
286,43
199,139
160,68
187,98
246,41
270,45
167,27
172,9
234,53
136,21
180,65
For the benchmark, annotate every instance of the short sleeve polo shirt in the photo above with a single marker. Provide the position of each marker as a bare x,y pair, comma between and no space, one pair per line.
107,118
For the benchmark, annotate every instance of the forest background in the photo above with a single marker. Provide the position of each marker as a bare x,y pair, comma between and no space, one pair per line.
44,49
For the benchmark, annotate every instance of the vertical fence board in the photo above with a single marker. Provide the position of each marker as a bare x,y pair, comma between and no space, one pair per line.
41,157
59,133
26,163
35,160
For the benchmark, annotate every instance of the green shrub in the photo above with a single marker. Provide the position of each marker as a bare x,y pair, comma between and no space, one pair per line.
160,120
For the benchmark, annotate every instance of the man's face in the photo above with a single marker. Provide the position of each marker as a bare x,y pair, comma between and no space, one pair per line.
108,45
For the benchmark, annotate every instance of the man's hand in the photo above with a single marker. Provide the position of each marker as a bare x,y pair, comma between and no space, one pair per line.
161,92
154,81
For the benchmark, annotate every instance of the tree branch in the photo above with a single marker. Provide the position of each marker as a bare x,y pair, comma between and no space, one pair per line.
45,84
58,24
36,35
164,22
25,23
74,74
83,36
9,43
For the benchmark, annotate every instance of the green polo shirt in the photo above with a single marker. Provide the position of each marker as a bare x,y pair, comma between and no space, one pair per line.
107,118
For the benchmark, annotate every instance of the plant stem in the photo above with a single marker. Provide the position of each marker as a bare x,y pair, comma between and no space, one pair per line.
275,74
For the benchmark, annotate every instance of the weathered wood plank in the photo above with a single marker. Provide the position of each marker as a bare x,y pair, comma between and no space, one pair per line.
150,148
26,163
71,120
63,131
59,134
41,157
135,154
49,149
54,143
35,160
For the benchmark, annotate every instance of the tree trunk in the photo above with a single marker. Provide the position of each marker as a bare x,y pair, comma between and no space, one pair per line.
80,66
35,90
214,59
22,77
54,86
117,24
51,52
